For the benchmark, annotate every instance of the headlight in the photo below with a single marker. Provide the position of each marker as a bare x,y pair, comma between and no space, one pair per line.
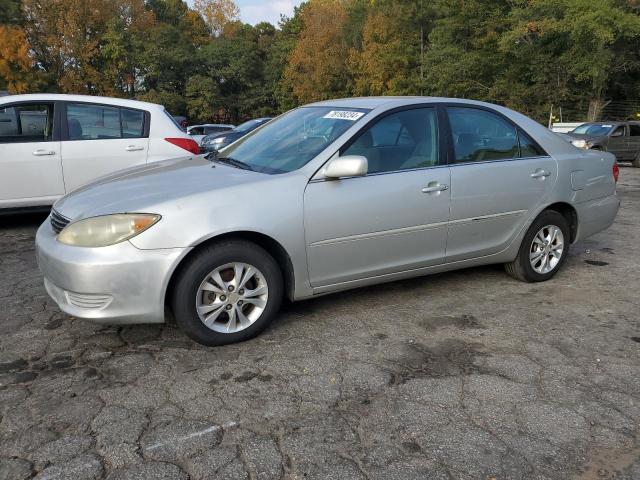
107,229
218,140
579,143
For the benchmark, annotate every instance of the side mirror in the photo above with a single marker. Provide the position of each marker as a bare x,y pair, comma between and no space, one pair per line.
347,166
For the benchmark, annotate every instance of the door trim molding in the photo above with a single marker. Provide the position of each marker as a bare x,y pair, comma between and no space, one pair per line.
382,233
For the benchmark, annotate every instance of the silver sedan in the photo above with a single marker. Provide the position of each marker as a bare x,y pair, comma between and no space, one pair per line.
327,197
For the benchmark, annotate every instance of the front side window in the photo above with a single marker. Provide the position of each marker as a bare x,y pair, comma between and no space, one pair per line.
26,123
399,141
479,135
98,122
619,132
293,139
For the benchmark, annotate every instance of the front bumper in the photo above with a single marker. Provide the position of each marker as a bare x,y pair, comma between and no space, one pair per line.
120,284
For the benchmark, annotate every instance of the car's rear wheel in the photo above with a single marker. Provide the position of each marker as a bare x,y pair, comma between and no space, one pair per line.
227,292
543,250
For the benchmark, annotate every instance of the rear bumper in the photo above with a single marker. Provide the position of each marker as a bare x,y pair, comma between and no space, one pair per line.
596,215
120,284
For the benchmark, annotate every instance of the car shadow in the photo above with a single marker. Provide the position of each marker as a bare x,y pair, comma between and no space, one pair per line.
23,219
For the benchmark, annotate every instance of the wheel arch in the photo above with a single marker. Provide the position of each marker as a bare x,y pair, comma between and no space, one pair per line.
569,213
272,246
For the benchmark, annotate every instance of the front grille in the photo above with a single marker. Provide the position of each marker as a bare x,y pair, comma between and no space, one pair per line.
58,222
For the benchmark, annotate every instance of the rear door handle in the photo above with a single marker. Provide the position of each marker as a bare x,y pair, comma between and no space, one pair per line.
435,188
134,148
540,174
42,153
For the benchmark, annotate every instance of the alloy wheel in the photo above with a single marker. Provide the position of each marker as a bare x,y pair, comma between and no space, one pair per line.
546,249
232,297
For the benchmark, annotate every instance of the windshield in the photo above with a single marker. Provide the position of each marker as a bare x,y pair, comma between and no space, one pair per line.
594,129
292,140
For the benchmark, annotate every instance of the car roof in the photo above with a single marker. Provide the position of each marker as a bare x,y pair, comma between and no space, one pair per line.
122,102
391,102
211,125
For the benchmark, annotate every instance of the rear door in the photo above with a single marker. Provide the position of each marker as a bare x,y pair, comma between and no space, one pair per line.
101,139
634,140
499,176
30,166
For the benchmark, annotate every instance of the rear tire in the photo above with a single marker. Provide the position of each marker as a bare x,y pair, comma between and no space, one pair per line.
544,249
228,292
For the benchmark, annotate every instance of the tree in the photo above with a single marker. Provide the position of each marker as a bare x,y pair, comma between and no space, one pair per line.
15,63
217,13
317,66
387,57
592,42
10,12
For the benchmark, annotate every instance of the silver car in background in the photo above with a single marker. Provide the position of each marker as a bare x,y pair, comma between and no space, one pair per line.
330,196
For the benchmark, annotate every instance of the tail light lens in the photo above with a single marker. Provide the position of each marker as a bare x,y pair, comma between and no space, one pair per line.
186,143
616,171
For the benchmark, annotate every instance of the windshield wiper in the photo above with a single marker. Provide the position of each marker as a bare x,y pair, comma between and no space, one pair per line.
235,163
213,156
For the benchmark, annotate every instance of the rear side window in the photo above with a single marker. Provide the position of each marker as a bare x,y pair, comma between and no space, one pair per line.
528,148
26,123
99,122
634,130
479,135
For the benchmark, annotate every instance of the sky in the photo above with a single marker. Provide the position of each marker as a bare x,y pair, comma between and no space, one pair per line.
255,11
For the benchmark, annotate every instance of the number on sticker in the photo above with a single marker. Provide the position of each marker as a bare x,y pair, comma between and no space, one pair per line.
344,115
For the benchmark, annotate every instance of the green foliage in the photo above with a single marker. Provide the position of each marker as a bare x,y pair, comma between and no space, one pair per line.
529,55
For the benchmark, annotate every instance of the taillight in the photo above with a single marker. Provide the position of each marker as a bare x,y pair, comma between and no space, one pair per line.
186,143
616,171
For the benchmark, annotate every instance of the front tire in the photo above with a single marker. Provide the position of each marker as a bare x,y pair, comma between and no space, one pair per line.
636,161
228,292
544,249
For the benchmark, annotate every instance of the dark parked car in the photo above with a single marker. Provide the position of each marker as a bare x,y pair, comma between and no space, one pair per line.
620,138
215,142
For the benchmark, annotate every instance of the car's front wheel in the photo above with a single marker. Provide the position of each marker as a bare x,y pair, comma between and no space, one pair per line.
227,292
636,161
543,250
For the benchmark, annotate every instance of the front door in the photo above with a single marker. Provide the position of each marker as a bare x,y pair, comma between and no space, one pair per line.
619,143
30,167
499,176
101,139
391,220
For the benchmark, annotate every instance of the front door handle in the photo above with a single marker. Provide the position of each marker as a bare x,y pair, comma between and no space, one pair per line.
134,148
540,174
42,153
435,187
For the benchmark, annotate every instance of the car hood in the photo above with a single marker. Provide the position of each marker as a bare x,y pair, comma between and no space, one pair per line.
588,138
147,188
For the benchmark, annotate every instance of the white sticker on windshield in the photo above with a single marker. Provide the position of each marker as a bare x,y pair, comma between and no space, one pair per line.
344,115
607,126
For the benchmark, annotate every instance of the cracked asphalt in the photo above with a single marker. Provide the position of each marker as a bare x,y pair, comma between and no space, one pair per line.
464,375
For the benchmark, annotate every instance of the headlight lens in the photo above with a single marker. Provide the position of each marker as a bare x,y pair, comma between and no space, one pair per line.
107,229
218,140
579,143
